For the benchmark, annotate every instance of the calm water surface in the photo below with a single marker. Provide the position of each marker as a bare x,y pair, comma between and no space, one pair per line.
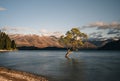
82,65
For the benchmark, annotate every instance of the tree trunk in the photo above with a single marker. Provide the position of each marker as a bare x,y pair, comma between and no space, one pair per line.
68,53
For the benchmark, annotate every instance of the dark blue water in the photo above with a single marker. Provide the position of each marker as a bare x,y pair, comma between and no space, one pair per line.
81,66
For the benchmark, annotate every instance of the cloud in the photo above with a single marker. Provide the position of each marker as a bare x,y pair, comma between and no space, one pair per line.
43,31
108,29
103,25
5,29
113,31
118,35
2,9
57,34
96,35
28,30
18,30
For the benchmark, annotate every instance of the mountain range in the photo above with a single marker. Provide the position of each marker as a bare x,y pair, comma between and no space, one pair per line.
113,45
41,41
35,40
52,42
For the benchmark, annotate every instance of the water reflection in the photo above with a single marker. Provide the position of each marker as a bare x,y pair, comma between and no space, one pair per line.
72,70
83,66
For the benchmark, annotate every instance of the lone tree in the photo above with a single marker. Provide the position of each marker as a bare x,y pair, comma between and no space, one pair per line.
72,40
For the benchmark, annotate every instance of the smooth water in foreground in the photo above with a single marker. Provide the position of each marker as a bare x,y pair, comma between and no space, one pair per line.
82,65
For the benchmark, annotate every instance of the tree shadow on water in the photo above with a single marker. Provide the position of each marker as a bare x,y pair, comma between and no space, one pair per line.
73,70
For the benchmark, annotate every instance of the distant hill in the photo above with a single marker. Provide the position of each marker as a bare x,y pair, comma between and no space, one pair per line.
37,42
88,45
98,43
36,48
114,45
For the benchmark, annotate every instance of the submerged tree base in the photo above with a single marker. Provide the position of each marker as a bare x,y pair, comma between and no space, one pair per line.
68,53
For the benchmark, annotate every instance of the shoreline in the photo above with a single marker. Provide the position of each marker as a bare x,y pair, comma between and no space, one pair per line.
7,74
5,50
1,50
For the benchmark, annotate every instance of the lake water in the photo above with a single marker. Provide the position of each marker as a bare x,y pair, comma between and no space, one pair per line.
81,66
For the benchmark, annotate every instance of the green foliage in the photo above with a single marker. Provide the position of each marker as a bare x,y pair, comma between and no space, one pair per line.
73,39
5,42
13,45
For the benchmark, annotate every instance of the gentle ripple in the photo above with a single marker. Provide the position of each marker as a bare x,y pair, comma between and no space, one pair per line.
82,65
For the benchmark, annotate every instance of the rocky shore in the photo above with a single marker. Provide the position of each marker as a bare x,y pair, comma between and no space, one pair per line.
14,75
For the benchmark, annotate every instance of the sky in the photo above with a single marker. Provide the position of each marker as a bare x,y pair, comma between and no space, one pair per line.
100,18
